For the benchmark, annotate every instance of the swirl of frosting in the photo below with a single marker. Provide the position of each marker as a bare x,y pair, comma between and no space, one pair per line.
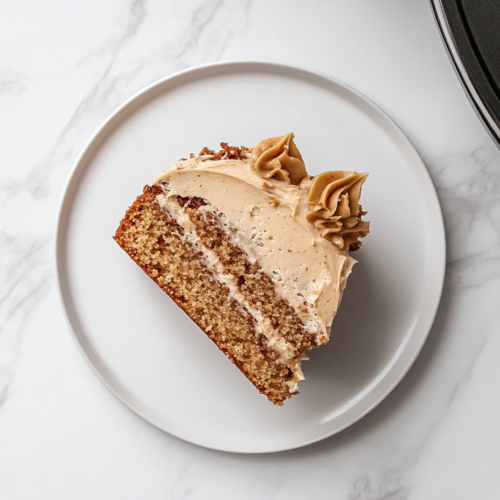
278,157
334,208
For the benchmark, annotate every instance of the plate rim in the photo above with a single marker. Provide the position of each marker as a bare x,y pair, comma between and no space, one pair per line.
100,135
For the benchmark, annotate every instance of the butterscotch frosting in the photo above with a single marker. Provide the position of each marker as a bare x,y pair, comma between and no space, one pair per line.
335,210
278,158
279,215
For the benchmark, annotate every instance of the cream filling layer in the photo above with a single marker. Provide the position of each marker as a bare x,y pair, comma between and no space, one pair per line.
262,324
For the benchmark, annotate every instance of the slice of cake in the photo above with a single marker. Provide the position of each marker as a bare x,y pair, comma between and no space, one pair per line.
253,249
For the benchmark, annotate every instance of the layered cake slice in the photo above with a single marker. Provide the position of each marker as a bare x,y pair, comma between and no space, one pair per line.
253,249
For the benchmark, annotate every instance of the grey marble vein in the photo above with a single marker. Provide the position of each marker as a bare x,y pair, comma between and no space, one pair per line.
11,86
469,187
200,20
25,277
384,485
210,29
36,180
183,487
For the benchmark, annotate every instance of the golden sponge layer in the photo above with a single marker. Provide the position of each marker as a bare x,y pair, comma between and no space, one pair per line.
153,240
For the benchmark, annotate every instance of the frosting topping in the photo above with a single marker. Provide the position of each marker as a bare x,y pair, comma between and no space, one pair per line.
299,229
278,158
335,210
269,217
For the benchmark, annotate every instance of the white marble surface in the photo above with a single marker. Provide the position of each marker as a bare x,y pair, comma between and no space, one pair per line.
64,66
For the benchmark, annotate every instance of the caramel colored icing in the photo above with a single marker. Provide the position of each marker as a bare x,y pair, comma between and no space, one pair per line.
335,210
278,158
283,219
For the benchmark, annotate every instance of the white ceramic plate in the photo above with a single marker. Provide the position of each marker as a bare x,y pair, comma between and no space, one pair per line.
151,355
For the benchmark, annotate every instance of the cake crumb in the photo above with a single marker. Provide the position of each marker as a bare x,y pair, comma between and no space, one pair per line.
226,153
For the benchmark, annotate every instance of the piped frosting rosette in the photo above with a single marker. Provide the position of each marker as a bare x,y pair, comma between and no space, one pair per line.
335,210
280,159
